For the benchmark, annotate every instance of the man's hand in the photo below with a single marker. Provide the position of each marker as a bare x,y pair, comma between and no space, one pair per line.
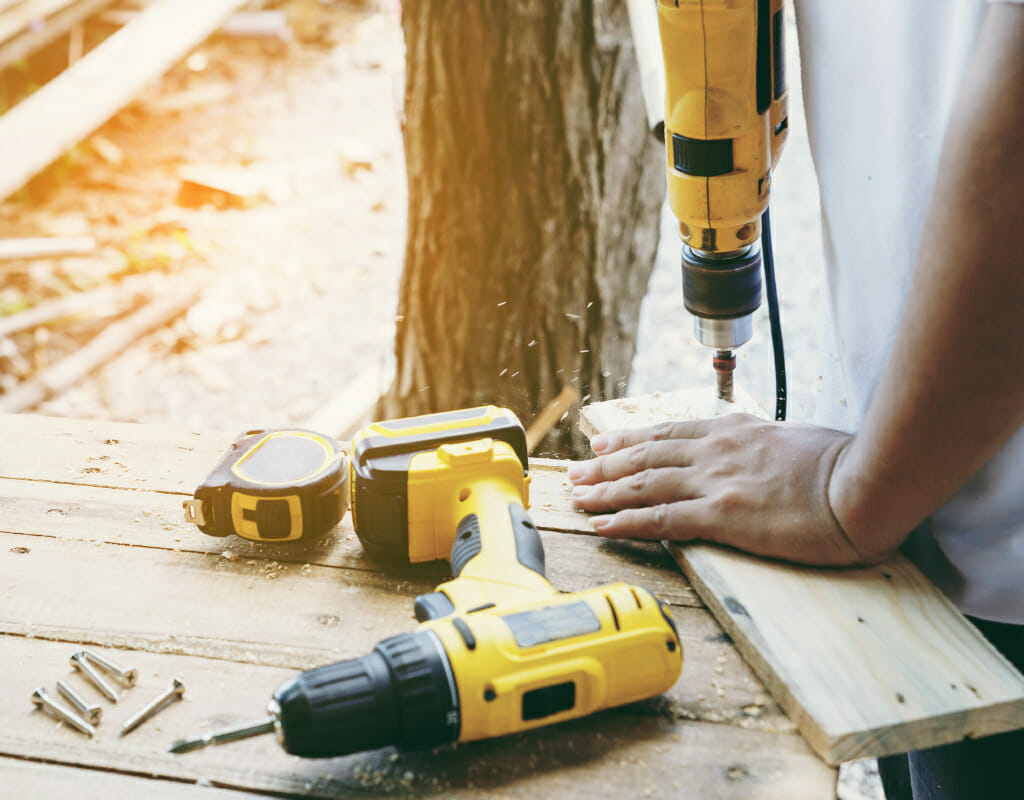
736,480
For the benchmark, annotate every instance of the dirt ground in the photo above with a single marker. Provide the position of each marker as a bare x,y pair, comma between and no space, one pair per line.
299,286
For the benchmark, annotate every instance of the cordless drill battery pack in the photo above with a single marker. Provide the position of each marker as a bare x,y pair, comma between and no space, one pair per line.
273,486
396,466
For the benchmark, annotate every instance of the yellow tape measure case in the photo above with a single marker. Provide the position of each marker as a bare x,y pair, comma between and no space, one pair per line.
273,486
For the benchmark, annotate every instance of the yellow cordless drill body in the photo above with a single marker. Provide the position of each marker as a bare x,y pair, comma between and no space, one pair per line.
726,121
498,650
520,654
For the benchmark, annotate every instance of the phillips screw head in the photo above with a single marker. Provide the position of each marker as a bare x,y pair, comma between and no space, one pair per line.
126,677
79,662
173,692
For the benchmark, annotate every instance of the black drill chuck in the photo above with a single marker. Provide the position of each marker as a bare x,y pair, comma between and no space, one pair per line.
721,288
402,694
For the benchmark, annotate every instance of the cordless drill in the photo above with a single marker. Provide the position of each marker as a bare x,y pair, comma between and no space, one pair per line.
498,650
725,125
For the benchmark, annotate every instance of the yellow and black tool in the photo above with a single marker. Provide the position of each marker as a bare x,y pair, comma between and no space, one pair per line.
273,486
498,649
726,121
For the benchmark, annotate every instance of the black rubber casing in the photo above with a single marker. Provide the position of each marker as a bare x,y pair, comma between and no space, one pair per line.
400,694
722,289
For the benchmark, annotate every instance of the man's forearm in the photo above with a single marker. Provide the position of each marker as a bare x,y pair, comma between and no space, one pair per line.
953,391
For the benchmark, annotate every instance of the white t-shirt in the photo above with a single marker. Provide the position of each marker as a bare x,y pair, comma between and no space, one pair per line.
880,79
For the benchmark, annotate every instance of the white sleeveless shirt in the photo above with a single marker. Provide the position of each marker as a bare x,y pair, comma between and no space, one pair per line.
880,78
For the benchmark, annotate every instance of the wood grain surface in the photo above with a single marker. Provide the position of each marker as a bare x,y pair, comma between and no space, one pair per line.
94,552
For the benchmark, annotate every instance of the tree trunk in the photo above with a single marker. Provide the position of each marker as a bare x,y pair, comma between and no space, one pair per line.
534,197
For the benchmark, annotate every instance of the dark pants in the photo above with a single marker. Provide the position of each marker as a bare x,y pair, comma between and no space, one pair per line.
974,769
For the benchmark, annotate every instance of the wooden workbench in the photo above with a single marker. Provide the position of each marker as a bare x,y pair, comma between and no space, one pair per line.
94,552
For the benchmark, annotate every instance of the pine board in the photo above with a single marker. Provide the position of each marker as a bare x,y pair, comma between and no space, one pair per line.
112,567
47,124
866,662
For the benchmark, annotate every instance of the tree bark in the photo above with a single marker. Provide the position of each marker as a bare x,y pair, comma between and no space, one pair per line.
534,197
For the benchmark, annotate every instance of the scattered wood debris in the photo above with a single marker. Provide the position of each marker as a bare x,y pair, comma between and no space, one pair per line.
102,348
220,186
91,91
46,247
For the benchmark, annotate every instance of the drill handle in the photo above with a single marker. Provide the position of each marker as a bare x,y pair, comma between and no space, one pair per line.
497,557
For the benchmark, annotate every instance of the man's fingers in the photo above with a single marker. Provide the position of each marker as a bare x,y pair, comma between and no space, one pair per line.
679,522
622,463
647,487
617,440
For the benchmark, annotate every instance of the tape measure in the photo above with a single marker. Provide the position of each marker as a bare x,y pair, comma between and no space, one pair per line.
273,486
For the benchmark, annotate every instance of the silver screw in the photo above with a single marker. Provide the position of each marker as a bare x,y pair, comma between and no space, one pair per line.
78,662
42,699
91,713
174,692
126,677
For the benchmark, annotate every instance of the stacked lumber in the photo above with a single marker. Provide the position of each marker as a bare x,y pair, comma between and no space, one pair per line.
75,103
27,25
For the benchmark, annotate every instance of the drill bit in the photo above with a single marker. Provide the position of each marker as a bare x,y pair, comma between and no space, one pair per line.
225,735
724,364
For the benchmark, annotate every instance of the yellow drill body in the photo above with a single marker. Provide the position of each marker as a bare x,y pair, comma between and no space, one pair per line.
558,658
538,657
726,121
715,106
521,653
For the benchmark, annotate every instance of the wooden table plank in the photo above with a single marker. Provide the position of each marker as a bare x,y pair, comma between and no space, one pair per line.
120,456
635,751
276,614
45,125
24,777
867,662
155,519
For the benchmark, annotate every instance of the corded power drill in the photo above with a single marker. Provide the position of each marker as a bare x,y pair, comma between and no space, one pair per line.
725,125
498,650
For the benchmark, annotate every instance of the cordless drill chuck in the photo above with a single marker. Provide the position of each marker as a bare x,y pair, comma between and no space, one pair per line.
722,291
401,693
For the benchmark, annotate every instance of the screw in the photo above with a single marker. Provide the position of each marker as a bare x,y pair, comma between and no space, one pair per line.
78,662
92,714
126,677
42,699
174,692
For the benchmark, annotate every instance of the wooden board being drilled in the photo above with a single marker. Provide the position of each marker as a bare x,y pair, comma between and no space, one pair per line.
866,662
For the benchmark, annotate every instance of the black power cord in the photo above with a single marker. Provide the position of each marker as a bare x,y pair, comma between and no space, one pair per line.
773,317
